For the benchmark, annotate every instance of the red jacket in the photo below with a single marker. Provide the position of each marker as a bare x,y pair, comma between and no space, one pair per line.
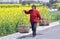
34,15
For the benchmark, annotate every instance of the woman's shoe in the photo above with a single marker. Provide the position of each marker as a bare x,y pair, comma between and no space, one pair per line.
34,35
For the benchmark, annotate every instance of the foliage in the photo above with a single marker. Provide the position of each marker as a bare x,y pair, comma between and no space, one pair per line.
10,16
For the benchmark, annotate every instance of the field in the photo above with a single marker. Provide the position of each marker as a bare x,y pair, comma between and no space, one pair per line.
12,14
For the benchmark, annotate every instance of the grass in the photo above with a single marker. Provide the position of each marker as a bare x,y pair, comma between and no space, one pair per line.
56,15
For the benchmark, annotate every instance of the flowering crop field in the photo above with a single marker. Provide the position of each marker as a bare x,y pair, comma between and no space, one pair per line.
11,14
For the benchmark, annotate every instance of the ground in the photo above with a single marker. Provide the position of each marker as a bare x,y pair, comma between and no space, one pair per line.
51,33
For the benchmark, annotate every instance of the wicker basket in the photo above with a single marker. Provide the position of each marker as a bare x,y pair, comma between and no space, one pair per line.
23,28
44,22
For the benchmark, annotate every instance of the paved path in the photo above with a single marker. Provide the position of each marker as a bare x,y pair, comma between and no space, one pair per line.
51,33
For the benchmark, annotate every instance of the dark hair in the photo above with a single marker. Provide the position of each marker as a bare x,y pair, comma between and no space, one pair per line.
34,6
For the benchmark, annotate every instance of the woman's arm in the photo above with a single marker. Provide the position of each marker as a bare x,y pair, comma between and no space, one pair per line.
39,15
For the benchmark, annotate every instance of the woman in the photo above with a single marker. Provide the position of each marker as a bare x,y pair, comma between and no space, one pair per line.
34,17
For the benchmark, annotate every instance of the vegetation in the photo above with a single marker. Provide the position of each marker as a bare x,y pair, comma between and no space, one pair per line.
10,16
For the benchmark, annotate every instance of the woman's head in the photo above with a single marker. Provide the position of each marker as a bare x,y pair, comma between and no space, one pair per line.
33,7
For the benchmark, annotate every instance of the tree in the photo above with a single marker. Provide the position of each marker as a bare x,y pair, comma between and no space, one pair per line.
38,1
51,1
20,1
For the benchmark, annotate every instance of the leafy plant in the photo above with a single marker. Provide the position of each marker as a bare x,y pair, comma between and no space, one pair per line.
10,16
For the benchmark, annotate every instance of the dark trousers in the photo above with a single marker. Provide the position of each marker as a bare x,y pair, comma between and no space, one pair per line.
34,24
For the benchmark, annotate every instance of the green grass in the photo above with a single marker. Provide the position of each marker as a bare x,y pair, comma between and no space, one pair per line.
55,14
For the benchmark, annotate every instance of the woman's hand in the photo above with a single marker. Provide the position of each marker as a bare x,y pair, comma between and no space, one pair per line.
24,10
